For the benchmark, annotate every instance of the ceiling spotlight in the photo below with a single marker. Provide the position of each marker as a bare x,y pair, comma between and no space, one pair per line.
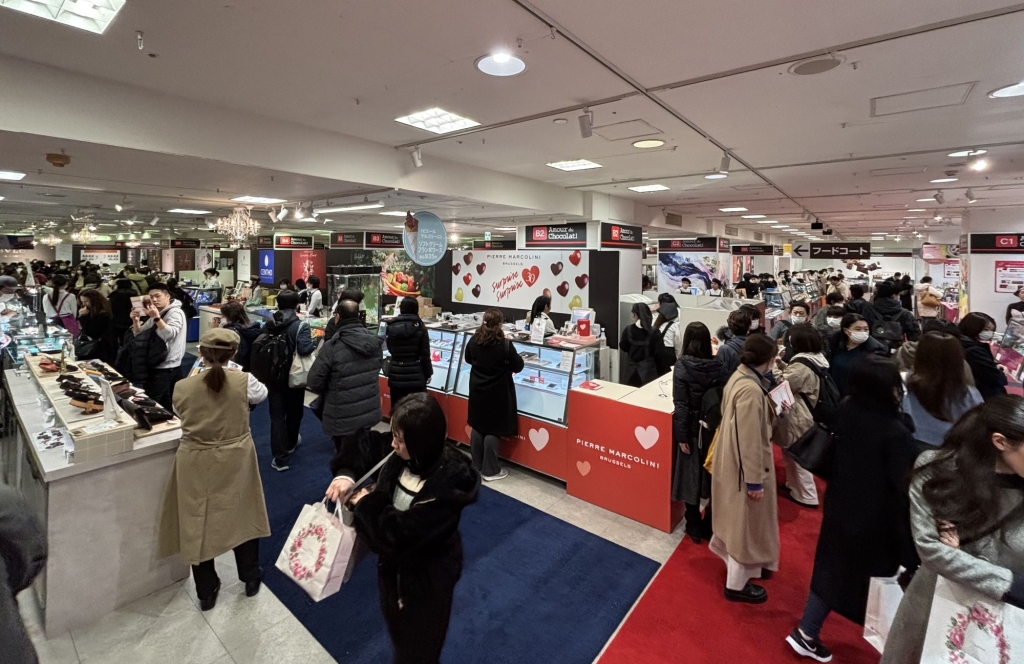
1015,90
417,157
649,143
560,121
117,206
501,64
938,217
979,165
971,198
299,213
273,216
586,123
723,167
716,176
154,220
939,197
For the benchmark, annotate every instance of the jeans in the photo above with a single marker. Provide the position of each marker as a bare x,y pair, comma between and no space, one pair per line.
160,385
815,613
286,406
485,453
247,558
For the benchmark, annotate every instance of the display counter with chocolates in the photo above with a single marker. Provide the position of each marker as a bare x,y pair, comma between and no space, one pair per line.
91,454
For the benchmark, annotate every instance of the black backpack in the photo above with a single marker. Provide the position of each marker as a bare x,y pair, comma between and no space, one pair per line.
270,359
828,394
711,412
888,331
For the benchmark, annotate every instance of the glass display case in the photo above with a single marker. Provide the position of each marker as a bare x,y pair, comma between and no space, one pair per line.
203,296
548,373
447,341
358,277
20,342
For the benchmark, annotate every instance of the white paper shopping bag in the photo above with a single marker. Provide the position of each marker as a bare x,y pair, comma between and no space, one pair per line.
966,627
321,552
884,597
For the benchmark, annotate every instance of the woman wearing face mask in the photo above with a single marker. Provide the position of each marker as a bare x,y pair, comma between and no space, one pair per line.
967,515
849,345
976,331
410,519
756,318
798,312
745,518
1015,310
635,342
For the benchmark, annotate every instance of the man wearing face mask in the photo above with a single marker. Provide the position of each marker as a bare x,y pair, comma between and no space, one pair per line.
858,305
798,312
850,345
831,300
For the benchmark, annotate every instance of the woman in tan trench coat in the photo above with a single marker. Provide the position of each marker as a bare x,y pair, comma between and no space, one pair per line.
214,501
745,517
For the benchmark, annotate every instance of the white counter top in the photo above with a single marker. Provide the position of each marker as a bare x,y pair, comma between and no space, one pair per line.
655,395
609,390
53,464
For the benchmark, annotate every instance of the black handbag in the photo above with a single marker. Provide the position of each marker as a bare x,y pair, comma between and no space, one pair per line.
815,450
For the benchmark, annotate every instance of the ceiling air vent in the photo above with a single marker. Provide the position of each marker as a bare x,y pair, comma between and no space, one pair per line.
732,231
816,65
759,237
672,219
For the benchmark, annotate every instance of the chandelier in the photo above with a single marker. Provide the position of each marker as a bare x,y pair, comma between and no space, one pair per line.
83,235
50,240
132,242
238,225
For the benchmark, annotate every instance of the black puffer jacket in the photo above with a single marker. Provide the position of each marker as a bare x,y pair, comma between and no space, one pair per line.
409,345
246,335
890,310
692,378
139,353
345,375
988,378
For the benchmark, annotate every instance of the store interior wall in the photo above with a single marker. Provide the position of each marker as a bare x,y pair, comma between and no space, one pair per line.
37,253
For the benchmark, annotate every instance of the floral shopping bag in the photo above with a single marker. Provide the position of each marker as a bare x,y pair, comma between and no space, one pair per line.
321,551
966,627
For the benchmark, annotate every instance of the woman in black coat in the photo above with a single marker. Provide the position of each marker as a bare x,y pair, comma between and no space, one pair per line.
493,411
121,308
635,342
865,529
409,345
976,330
410,519
696,372
849,346
97,340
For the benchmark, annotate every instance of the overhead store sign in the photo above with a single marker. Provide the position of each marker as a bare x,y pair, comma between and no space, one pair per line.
384,240
997,243
187,243
265,241
841,250
293,242
557,237
757,250
349,240
101,256
621,236
692,244
723,245
495,245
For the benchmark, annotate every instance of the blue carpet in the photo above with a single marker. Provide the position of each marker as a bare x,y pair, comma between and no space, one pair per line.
534,588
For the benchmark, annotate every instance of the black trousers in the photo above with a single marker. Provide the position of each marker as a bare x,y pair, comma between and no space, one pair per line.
286,406
247,558
697,524
358,438
397,393
160,385
484,449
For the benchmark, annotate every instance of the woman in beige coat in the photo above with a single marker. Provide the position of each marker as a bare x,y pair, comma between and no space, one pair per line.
214,501
745,517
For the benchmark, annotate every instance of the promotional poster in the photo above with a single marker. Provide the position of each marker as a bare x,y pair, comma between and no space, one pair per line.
515,280
424,238
309,261
700,267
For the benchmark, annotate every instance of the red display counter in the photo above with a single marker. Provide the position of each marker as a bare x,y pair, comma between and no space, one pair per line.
620,451
385,397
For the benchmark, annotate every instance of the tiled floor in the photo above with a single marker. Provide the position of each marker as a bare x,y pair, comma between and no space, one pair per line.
167,627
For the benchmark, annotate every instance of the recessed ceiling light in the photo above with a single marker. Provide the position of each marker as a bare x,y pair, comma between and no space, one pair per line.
917,209
648,188
754,216
1,198
911,217
966,153
506,228
574,165
188,211
716,176
501,64
560,121
779,228
256,200
398,226
732,209
649,143
926,200
88,15
1015,90
393,213
351,208
979,165
768,221
437,121
14,176
941,180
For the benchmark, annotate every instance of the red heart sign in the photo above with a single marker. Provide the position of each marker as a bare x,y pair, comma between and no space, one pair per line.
563,288
556,268
480,268
467,278
468,258
582,281
575,257
531,275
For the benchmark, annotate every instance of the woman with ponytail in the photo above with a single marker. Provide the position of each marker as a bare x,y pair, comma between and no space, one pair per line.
967,515
214,500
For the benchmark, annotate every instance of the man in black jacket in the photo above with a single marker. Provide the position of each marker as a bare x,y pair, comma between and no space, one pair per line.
887,305
858,305
345,375
287,403
409,346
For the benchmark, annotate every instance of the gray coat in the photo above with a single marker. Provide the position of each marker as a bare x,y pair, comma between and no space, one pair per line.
345,374
991,566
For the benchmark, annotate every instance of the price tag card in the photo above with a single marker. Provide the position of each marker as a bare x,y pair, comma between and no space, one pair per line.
566,363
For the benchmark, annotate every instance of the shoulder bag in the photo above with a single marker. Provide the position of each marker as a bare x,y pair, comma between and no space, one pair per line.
68,321
299,370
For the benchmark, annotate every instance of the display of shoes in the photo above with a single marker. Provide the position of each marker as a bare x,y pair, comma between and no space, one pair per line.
92,406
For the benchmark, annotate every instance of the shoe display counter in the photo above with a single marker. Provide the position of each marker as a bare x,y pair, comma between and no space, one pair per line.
100,509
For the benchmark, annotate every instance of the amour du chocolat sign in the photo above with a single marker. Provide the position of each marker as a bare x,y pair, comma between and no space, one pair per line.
293,241
621,236
693,244
375,240
350,240
557,237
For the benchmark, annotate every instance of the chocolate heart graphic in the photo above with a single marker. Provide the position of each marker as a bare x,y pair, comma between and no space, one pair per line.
476,290
575,257
480,268
531,275
467,278
547,292
468,258
469,431
582,281
563,288
556,268
456,268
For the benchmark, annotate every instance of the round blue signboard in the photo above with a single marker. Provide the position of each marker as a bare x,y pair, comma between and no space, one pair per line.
425,238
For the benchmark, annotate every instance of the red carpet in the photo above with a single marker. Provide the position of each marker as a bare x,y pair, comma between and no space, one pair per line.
684,618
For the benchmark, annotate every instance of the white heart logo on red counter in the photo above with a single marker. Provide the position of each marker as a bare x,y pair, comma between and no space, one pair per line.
646,437
539,438
583,467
